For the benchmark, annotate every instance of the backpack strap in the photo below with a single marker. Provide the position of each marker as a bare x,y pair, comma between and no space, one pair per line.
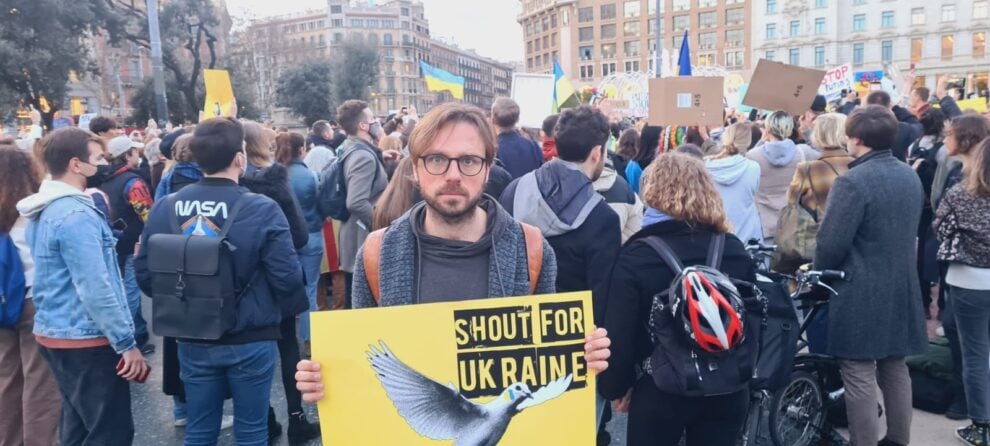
372,256
715,249
666,253
534,254
229,222
174,221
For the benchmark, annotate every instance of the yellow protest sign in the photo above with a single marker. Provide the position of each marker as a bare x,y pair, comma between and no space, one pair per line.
978,105
493,371
219,93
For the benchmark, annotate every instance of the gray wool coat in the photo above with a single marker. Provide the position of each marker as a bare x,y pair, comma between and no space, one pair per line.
869,231
363,189
509,270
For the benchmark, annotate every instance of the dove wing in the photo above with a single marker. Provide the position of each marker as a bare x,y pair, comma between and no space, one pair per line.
547,392
430,408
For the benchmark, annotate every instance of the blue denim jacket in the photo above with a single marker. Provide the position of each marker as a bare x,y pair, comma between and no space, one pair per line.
303,182
77,290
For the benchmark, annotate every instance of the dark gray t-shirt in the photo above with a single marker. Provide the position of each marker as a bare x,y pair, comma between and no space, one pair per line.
451,270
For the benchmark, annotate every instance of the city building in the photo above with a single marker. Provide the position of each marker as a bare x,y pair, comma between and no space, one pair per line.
936,38
595,38
398,27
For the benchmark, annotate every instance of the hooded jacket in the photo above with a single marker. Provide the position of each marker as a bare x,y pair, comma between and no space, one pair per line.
273,182
77,291
778,161
181,175
738,181
622,199
583,230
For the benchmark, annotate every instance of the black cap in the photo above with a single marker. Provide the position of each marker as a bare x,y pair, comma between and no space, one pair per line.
818,105
165,147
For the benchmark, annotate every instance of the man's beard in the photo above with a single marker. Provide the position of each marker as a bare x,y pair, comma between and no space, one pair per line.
447,211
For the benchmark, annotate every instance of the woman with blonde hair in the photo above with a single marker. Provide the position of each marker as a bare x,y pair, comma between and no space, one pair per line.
813,180
686,213
738,181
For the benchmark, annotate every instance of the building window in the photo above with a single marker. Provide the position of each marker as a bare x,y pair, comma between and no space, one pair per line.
553,39
887,19
586,52
678,40
372,23
887,51
770,55
387,40
705,60
681,22
608,51
546,42
651,7
357,23
707,19
607,12
705,3
771,31
918,16
336,9
795,28
859,2
585,34
652,25
682,5
338,37
734,59
771,6
820,25
980,9
917,48
337,23
949,13
794,56
858,54
734,16
733,38
529,64
632,66
979,44
819,4
819,56
631,9
948,46
706,41
388,24
608,68
608,31
631,48
405,12
630,29
587,71
586,14
536,45
859,22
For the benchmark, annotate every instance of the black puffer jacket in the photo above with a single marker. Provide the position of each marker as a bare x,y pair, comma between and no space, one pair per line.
273,182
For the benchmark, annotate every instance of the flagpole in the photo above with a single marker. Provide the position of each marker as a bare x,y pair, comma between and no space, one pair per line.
659,48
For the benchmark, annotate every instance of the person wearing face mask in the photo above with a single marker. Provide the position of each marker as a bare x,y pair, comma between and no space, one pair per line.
130,200
267,271
365,177
82,322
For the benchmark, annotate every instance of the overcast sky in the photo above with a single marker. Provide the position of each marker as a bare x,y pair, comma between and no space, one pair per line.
491,31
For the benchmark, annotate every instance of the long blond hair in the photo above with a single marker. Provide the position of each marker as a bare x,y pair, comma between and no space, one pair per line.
679,186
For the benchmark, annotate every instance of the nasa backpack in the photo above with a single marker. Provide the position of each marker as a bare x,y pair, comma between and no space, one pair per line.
193,294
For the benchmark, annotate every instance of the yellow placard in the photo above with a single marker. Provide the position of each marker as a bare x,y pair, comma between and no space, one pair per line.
978,105
219,93
510,370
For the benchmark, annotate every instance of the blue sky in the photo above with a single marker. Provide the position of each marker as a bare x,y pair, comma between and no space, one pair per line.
487,26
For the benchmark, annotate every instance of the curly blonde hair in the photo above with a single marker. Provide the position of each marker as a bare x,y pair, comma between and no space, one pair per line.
680,187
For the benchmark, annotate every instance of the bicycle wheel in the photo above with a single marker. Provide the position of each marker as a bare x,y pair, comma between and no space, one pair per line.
797,412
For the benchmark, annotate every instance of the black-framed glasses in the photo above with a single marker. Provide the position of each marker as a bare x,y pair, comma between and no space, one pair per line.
468,165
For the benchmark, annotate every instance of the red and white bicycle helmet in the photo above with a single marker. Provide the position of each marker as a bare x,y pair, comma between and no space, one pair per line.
711,309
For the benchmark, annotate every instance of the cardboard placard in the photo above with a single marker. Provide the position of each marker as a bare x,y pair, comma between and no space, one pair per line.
219,93
778,86
534,94
686,101
432,373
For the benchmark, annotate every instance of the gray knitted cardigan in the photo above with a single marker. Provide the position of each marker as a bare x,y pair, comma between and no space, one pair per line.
509,272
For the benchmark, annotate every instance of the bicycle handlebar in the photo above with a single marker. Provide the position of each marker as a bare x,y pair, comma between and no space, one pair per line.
831,274
757,246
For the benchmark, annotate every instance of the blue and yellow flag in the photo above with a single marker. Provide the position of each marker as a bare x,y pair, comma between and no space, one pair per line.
440,80
562,89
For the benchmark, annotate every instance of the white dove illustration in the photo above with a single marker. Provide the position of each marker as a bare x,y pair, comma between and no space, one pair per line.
441,413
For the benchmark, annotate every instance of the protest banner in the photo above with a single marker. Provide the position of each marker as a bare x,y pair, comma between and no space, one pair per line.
686,101
219,93
508,371
534,94
978,105
84,120
835,80
778,86
863,81
731,88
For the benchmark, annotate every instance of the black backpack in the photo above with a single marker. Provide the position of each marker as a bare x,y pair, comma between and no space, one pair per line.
677,365
331,194
193,290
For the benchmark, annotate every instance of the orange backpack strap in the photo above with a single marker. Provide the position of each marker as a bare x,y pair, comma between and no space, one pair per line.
534,254
372,255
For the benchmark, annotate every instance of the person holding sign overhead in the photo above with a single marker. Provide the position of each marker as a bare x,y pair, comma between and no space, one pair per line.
458,244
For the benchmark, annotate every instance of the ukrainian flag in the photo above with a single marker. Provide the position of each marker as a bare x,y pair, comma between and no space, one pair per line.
440,80
562,89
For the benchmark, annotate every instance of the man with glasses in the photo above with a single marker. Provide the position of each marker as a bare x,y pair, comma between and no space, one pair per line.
83,325
365,177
